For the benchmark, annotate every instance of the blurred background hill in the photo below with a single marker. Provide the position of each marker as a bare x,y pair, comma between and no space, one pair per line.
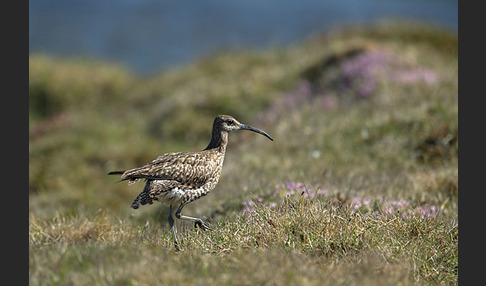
96,102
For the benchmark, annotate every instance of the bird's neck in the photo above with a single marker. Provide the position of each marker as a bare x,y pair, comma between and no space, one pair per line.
219,140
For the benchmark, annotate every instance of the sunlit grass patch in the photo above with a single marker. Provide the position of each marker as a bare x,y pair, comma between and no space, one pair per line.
77,230
314,230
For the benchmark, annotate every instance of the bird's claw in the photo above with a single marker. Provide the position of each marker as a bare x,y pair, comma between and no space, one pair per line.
202,225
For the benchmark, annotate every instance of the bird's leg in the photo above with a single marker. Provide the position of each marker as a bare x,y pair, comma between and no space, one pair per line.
172,229
197,221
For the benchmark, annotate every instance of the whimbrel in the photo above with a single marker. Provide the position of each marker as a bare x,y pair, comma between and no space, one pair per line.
179,178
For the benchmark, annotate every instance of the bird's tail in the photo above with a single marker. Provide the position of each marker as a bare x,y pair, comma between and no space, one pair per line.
116,172
130,180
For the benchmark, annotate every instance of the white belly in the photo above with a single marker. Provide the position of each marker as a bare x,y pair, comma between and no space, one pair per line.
172,197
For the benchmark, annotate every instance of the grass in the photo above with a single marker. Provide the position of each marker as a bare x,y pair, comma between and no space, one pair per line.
360,185
303,241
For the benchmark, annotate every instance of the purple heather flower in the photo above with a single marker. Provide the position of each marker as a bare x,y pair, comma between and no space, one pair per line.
304,88
399,204
388,210
322,192
414,75
248,204
428,212
308,194
290,186
364,64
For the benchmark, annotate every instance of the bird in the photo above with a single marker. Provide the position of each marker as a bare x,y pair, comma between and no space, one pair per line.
179,178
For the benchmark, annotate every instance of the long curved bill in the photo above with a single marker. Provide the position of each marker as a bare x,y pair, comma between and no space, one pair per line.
254,129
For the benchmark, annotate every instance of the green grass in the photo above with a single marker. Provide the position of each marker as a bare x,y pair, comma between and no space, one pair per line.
301,241
359,187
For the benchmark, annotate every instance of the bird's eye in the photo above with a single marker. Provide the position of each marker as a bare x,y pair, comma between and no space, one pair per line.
230,122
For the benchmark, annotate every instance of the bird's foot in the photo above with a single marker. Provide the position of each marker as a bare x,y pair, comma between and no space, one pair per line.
202,225
176,245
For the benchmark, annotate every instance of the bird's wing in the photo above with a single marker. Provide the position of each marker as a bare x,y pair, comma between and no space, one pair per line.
182,167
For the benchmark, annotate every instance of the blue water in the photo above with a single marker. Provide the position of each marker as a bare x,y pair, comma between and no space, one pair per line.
152,35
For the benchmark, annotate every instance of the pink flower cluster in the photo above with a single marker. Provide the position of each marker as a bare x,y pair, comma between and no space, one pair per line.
378,208
383,208
359,73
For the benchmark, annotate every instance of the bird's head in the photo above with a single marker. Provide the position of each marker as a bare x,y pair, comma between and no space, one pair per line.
228,123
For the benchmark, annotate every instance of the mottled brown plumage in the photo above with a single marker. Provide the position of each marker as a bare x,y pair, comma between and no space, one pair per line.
182,177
